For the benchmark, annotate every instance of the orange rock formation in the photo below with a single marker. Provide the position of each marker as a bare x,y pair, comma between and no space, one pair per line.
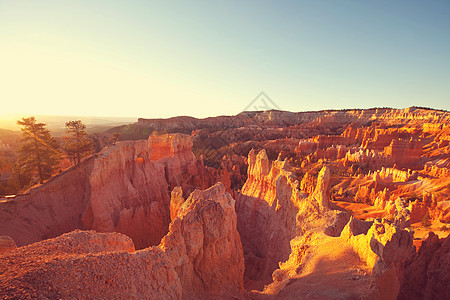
189,263
329,205
125,188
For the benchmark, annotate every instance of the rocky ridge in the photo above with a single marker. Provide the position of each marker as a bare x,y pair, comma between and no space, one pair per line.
125,188
188,264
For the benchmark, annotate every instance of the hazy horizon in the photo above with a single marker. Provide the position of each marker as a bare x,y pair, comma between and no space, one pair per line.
202,59
58,121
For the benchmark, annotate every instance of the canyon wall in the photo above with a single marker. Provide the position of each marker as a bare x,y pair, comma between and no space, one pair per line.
427,274
272,211
200,258
302,239
266,215
329,118
125,188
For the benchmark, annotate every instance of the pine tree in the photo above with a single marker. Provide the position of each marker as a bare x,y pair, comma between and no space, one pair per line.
39,154
78,144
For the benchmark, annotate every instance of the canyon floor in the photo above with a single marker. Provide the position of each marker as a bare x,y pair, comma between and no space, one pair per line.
350,204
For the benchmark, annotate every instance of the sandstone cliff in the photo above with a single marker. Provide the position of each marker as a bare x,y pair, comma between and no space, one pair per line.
200,258
266,209
284,118
125,188
427,273
204,247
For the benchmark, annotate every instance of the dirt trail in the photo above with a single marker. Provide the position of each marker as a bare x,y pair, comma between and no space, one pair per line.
330,270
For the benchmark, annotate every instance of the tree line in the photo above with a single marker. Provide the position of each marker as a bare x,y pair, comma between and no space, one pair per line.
40,154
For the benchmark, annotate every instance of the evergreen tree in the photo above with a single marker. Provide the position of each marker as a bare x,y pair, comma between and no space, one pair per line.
78,144
115,137
39,154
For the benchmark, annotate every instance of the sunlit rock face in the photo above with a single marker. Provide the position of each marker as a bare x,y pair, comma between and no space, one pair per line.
204,247
310,239
176,201
50,209
374,254
125,188
133,198
266,215
272,211
200,258
404,153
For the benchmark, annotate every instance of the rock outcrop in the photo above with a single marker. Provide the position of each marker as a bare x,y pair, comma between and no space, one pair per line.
86,264
316,234
427,273
272,212
328,219
327,118
266,211
200,258
385,248
367,260
405,153
322,192
125,188
204,246
176,201
394,247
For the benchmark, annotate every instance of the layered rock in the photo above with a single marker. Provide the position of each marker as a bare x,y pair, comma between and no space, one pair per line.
315,212
125,188
382,198
176,201
308,183
200,258
266,209
369,158
272,212
6,244
320,238
379,138
385,248
48,210
427,273
204,246
404,152
443,211
367,261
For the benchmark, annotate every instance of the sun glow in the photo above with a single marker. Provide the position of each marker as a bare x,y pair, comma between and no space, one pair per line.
43,81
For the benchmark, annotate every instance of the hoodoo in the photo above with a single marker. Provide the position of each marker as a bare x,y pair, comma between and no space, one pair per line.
317,205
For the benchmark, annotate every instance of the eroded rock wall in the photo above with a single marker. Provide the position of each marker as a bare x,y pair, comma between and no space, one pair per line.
427,274
266,215
125,188
200,258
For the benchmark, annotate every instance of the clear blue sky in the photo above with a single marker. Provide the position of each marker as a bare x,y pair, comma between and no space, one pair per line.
207,58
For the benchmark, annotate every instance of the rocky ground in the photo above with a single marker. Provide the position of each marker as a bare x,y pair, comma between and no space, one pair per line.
318,205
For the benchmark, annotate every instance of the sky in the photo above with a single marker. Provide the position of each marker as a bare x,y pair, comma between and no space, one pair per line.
206,58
